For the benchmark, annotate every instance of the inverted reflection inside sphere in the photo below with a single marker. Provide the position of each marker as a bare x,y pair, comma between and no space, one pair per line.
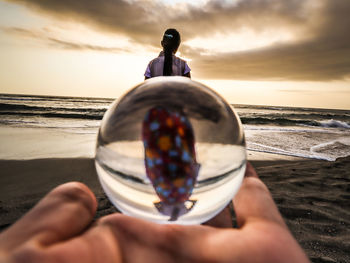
171,151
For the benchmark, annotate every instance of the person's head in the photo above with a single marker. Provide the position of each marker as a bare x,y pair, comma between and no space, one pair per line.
170,43
171,40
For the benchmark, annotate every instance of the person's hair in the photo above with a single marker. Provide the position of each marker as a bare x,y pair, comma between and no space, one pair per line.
171,41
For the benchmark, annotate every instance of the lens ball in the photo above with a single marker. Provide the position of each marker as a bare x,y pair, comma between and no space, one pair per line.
171,150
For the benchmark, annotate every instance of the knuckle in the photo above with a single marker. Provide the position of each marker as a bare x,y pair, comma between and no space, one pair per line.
76,193
256,184
112,221
170,233
176,241
29,252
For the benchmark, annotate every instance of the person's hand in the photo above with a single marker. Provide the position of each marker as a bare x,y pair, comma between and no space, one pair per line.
58,230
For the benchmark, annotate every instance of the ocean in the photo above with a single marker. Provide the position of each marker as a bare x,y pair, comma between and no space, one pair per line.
301,132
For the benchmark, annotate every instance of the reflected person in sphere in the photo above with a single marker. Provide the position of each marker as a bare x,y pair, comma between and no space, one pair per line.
60,228
167,64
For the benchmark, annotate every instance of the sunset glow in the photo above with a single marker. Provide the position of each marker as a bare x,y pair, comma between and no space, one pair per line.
288,53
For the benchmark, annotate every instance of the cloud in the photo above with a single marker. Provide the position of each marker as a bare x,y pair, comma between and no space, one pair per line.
310,60
320,49
144,21
45,38
321,56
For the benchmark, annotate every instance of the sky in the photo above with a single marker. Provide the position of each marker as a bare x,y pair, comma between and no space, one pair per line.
260,52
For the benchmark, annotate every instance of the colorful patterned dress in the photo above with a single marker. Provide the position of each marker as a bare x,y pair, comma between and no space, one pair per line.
170,159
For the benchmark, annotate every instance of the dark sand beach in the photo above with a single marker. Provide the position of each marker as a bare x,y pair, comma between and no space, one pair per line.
313,196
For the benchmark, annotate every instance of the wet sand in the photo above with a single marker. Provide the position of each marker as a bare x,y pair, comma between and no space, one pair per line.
313,196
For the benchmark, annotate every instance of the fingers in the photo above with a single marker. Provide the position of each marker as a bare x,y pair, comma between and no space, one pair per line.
98,244
254,202
63,213
142,241
119,238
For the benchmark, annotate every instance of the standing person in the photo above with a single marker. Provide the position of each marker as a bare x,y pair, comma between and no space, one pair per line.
167,64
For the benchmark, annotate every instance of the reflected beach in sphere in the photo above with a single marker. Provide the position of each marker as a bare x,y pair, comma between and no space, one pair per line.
171,150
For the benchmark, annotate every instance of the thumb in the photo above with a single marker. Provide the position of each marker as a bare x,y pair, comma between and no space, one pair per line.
254,202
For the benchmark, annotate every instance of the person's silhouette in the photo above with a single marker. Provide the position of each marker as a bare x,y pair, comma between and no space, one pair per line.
167,64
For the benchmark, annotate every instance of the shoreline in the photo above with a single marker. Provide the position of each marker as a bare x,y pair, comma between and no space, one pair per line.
45,142
312,195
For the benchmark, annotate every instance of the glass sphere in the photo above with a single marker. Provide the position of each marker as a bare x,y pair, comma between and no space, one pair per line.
171,150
